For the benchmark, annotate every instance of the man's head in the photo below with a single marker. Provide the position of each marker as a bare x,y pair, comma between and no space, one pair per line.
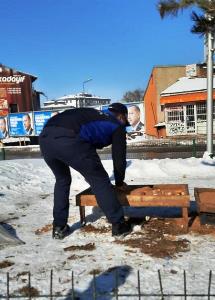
133,115
120,111
26,122
3,127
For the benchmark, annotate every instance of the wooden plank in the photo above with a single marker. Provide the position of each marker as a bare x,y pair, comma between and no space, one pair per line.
164,187
86,198
196,195
140,200
205,199
175,187
185,217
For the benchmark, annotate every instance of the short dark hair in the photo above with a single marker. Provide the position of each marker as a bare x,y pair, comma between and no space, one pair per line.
118,107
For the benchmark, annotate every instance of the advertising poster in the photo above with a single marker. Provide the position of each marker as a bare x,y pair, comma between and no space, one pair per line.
104,108
3,128
40,119
20,124
136,130
3,105
16,89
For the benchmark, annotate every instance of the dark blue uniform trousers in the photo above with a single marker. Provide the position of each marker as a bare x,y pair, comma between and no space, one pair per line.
61,149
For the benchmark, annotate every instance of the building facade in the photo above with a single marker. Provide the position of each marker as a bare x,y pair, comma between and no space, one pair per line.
16,91
184,105
174,100
74,101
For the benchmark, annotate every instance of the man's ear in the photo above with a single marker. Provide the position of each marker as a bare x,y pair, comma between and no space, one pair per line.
120,117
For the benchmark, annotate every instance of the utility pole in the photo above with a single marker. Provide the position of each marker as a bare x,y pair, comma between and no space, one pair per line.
210,52
84,84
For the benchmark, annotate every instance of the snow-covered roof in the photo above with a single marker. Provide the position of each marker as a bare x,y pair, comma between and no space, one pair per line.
79,96
186,84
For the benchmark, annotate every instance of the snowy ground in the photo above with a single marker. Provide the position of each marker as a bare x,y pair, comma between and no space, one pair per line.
26,194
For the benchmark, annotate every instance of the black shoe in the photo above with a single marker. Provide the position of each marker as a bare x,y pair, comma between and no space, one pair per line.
121,229
60,233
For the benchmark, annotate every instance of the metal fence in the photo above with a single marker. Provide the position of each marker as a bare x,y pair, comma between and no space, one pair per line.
147,149
95,294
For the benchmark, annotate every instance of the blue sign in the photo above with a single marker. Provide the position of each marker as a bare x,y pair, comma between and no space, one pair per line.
20,124
40,119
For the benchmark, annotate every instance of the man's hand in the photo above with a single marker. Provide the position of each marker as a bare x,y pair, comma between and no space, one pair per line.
122,187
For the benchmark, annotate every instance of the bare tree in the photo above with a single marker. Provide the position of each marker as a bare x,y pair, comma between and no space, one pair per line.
133,96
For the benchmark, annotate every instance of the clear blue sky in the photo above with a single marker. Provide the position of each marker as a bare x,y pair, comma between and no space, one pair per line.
114,42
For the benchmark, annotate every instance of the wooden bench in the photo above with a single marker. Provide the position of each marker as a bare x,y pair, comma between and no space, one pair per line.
169,195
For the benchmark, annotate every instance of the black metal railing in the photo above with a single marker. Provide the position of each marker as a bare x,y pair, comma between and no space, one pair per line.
96,292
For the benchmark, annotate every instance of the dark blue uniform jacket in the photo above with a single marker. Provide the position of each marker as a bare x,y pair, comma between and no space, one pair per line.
100,129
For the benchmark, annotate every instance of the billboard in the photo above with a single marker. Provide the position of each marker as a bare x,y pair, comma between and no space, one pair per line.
3,128
136,130
20,124
40,119
16,90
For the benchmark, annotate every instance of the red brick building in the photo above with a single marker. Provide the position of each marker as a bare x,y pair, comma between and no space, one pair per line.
16,91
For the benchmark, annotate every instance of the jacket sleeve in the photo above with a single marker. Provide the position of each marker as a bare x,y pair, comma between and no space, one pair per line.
119,154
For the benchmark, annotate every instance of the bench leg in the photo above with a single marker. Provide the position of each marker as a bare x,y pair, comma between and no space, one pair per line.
82,215
185,217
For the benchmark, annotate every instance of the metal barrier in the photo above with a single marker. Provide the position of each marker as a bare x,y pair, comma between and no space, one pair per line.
113,294
147,149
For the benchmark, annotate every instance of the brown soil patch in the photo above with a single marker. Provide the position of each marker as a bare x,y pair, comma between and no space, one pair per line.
44,229
158,239
6,264
91,229
87,247
196,227
27,291
95,272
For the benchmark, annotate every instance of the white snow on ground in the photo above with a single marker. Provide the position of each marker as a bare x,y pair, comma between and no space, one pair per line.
26,195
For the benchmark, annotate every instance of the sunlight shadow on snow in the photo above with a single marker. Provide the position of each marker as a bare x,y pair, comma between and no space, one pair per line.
105,283
8,236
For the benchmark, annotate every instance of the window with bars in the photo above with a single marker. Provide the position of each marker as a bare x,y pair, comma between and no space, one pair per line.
201,112
190,118
175,115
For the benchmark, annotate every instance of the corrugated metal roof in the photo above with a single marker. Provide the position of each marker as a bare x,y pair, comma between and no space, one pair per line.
188,85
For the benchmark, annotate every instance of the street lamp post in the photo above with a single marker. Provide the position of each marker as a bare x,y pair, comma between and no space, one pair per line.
210,52
84,84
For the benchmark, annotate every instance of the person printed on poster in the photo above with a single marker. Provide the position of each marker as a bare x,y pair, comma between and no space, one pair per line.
3,128
134,118
27,124
136,126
